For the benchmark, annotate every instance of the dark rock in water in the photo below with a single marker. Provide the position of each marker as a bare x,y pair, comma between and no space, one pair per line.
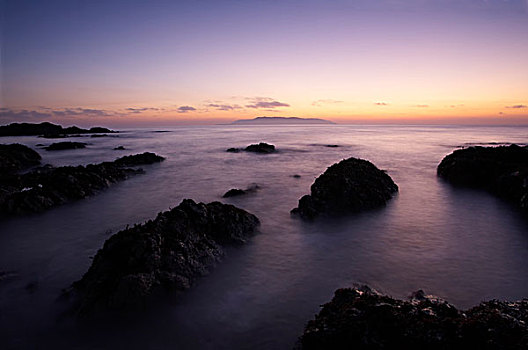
119,148
48,129
296,176
502,171
139,159
167,253
332,146
349,186
60,146
238,192
233,150
16,157
361,318
46,187
260,148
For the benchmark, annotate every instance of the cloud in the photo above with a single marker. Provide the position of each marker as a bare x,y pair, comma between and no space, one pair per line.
422,106
9,114
517,106
223,107
141,110
327,101
455,106
185,109
381,103
266,102
46,112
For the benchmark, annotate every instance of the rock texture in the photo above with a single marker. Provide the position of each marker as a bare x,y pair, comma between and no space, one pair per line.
47,129
349,186
361,318
502,171
238,192
60,146
47,186
255,148
167,253
16,157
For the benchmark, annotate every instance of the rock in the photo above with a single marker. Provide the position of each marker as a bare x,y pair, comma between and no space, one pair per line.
296,176
501,170
361,318
238,192
350,186
233,150
16,157
60,146
119,148
260,148
332,146
167,253
48,129
47,186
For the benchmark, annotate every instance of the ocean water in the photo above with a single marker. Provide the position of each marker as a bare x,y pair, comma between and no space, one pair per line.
461,244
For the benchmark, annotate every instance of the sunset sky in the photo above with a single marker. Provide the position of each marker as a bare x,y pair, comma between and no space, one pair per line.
140,62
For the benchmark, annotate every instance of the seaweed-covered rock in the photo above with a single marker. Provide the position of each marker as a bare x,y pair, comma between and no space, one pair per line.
48,129
349,186
501,170
16,157
60,146
167,253
48,186
361,318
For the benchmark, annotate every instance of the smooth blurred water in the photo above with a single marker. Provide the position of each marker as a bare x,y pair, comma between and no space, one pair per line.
463,245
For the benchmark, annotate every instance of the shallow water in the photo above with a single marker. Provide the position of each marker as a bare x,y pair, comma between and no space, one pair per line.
461,244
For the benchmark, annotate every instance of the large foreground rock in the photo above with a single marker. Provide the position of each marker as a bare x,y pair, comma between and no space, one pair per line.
167,253
46,187
502,171
16,157
47,129
361,318
350,186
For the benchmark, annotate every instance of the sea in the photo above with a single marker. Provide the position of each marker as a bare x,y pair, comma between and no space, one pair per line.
463,245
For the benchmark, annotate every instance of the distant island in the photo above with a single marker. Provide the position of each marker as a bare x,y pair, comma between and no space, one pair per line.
281,120
48,130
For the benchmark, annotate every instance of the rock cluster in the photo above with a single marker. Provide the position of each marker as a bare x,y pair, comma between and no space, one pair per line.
349,186
255,148
16,157
167,253
501,170
48,186
60,146
361,318
238,192
47,129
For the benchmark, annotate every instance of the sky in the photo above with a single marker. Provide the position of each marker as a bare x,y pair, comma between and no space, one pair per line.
131,62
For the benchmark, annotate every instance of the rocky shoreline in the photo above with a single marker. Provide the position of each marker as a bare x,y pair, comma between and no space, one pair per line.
362,318
48,130
167,253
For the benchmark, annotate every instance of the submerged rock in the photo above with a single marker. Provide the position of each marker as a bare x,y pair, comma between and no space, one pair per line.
238,192
361,318
167,253
48,129
119,148
46,187
16,157
59,146
256,148
501,170
350,186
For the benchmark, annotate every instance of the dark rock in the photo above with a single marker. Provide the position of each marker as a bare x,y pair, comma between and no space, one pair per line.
296,176
349,186
47,186
260,148
46,128
16,157
502,171
167,253
233,150
119,148
238,192
332,146
60,146
361,318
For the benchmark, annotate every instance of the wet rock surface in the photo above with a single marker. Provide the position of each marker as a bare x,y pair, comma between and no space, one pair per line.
16,157
255,148
238,192
361,318
168,253
48,186
350,186
47,129
60,146
501,170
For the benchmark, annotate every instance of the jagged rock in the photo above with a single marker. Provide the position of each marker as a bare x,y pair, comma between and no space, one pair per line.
361,318
167,253
46,187
233,150
119,148
349,186
238,192
256,148
60,146
48,129
501,170
16,157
